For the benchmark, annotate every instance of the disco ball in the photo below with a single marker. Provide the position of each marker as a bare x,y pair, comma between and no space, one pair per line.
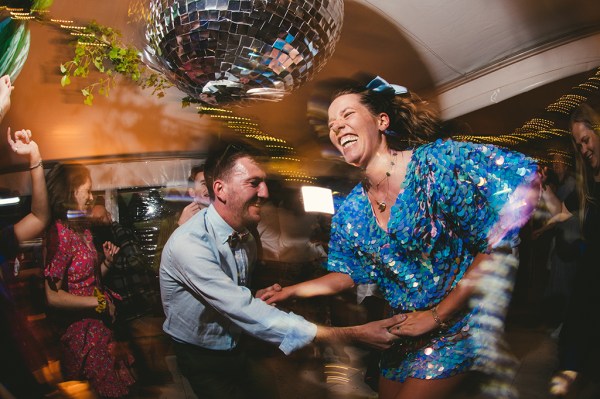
226,51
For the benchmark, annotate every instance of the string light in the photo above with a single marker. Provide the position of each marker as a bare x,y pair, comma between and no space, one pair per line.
61,21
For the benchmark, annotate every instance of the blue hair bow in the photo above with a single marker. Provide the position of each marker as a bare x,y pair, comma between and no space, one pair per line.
379,85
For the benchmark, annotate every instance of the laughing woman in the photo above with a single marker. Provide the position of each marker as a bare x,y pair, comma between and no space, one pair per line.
74,289
578,353
426,213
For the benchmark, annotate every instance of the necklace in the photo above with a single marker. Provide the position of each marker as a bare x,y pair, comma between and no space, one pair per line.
382,205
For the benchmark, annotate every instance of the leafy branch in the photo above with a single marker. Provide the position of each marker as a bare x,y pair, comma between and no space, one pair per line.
101,49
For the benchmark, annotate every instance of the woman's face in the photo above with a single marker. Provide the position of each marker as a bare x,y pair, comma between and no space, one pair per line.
354,130
83,196
588,144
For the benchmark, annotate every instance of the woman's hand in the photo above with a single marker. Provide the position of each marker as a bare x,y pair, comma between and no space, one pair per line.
110,250
5,89
416,323
22,144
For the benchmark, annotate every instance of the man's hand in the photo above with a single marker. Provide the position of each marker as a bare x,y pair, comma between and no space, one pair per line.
110,250
278,295
265,292
375,333
415,323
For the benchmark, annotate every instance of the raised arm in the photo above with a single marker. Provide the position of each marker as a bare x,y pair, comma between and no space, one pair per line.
35,222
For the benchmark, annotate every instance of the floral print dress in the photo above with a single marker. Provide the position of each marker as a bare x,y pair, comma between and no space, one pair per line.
456,201
87,343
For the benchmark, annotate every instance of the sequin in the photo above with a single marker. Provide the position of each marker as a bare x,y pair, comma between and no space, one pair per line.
433,235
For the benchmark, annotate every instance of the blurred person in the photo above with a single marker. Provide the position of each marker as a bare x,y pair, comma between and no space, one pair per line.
424,218
204,277
15,375
74,288
198,192
578,354
129,276
558,182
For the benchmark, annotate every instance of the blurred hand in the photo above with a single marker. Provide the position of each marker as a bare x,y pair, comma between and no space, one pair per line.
5,89
188,212
110,250
263,292
378,333
111,308
415,323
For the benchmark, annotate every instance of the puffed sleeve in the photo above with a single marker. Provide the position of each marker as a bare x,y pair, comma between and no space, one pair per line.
346,230
58,252
485,193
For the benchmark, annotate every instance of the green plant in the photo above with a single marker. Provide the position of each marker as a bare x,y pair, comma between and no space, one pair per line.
99,48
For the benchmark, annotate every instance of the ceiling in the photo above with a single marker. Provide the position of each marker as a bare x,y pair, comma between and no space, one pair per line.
467,56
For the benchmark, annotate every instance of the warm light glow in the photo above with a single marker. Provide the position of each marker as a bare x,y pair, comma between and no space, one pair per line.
317,199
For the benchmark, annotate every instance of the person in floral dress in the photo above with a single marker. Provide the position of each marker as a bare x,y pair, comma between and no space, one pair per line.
74,290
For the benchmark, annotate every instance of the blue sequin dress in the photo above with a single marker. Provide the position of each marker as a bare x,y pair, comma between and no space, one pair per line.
451,202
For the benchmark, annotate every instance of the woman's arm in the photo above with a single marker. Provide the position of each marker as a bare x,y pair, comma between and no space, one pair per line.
329,284
61,299
35,222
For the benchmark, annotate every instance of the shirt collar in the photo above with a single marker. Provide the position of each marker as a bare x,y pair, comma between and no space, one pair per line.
221,228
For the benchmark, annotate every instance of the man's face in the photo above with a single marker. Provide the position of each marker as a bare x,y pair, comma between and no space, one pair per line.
101,215
200,192
244,192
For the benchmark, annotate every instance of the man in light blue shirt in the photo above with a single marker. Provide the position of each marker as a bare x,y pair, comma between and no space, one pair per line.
204,274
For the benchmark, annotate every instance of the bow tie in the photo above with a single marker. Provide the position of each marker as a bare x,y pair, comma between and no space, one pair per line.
236,238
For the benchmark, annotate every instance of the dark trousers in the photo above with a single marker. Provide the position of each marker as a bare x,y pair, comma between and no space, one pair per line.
224,374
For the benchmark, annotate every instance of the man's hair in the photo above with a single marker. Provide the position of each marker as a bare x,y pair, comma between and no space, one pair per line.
219,164
193,173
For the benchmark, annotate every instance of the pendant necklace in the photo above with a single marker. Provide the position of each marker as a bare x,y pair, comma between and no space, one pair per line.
382,205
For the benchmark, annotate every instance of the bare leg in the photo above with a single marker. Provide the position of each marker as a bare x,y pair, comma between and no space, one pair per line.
414,388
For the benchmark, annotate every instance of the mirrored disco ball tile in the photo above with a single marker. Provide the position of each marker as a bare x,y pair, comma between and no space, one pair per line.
224,51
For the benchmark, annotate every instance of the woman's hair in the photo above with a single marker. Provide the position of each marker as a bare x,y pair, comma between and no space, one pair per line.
62,181
412,121
585,179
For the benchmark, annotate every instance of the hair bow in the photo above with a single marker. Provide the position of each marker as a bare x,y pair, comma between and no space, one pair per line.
379,85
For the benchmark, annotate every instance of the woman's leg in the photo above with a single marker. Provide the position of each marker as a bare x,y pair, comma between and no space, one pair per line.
414,388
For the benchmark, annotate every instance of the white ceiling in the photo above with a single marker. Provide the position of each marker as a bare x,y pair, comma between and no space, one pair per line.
483,52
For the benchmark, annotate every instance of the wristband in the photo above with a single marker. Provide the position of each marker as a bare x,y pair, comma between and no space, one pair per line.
441,324
36,165
101,300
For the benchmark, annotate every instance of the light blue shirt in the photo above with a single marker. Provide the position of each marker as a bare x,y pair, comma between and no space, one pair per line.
206,302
